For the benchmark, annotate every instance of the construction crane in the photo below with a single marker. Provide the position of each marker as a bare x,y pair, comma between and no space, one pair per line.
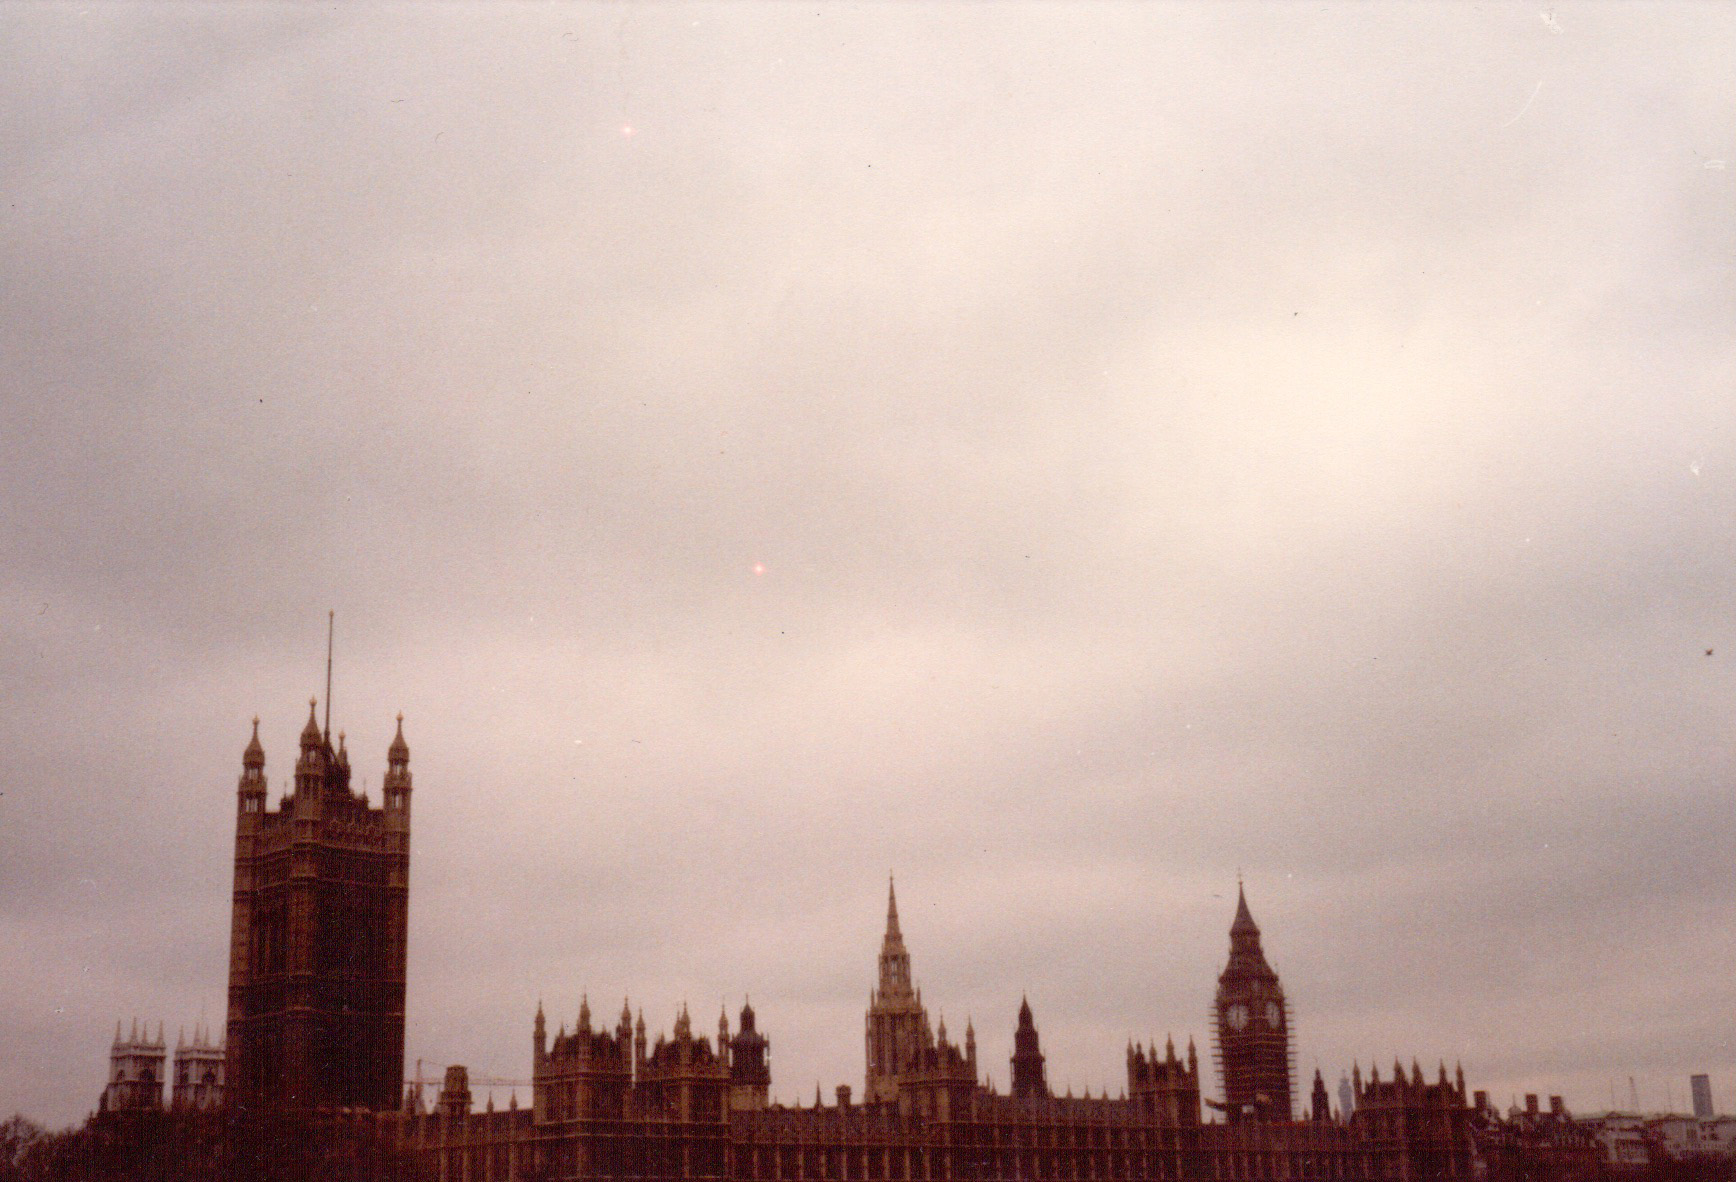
477,1081
495,1081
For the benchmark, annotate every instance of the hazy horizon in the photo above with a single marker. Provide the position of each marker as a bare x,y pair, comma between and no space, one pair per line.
1066,455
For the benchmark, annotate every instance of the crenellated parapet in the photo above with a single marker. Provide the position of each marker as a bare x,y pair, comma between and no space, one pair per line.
939,1081
584,1075
1164,1087
683,1078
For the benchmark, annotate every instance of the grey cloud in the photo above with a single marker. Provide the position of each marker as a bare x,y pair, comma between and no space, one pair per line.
1174,439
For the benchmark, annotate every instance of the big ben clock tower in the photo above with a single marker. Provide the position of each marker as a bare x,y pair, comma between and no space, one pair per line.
1254,1047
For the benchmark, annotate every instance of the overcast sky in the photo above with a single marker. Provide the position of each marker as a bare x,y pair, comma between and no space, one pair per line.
1062,454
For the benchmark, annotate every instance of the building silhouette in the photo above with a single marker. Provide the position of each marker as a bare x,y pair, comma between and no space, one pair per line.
1251,1037
1028,1079
607,1104
315,1041
750,1069
1700,1086
317,945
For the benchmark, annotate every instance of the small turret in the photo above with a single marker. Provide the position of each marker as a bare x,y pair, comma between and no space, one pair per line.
310,766
311,738
749,1062
254,755
395,788
250,790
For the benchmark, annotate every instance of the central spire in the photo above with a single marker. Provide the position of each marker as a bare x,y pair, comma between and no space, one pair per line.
893,935
894,960
897,1027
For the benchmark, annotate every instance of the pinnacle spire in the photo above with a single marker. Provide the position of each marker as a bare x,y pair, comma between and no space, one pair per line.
310,734
1247,959
254,755
894,960
1244,923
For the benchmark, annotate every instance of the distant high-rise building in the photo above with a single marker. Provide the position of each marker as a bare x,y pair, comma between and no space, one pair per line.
317,946
1346,1096
1701,1086
1252,1028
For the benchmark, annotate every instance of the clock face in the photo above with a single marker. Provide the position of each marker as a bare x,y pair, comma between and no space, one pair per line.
1237,1016
1274,1015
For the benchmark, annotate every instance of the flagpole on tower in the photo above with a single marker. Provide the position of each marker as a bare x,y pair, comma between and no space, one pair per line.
331,624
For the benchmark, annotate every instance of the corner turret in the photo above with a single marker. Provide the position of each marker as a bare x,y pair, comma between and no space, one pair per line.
250,789
395,788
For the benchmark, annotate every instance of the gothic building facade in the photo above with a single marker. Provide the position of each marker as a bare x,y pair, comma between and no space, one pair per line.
605,1104
316,1029
318,940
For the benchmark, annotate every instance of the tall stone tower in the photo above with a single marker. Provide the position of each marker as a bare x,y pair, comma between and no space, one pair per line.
317,945
198,1071
1029,1082
135,1071
897,1024
750,1071
1254,1048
